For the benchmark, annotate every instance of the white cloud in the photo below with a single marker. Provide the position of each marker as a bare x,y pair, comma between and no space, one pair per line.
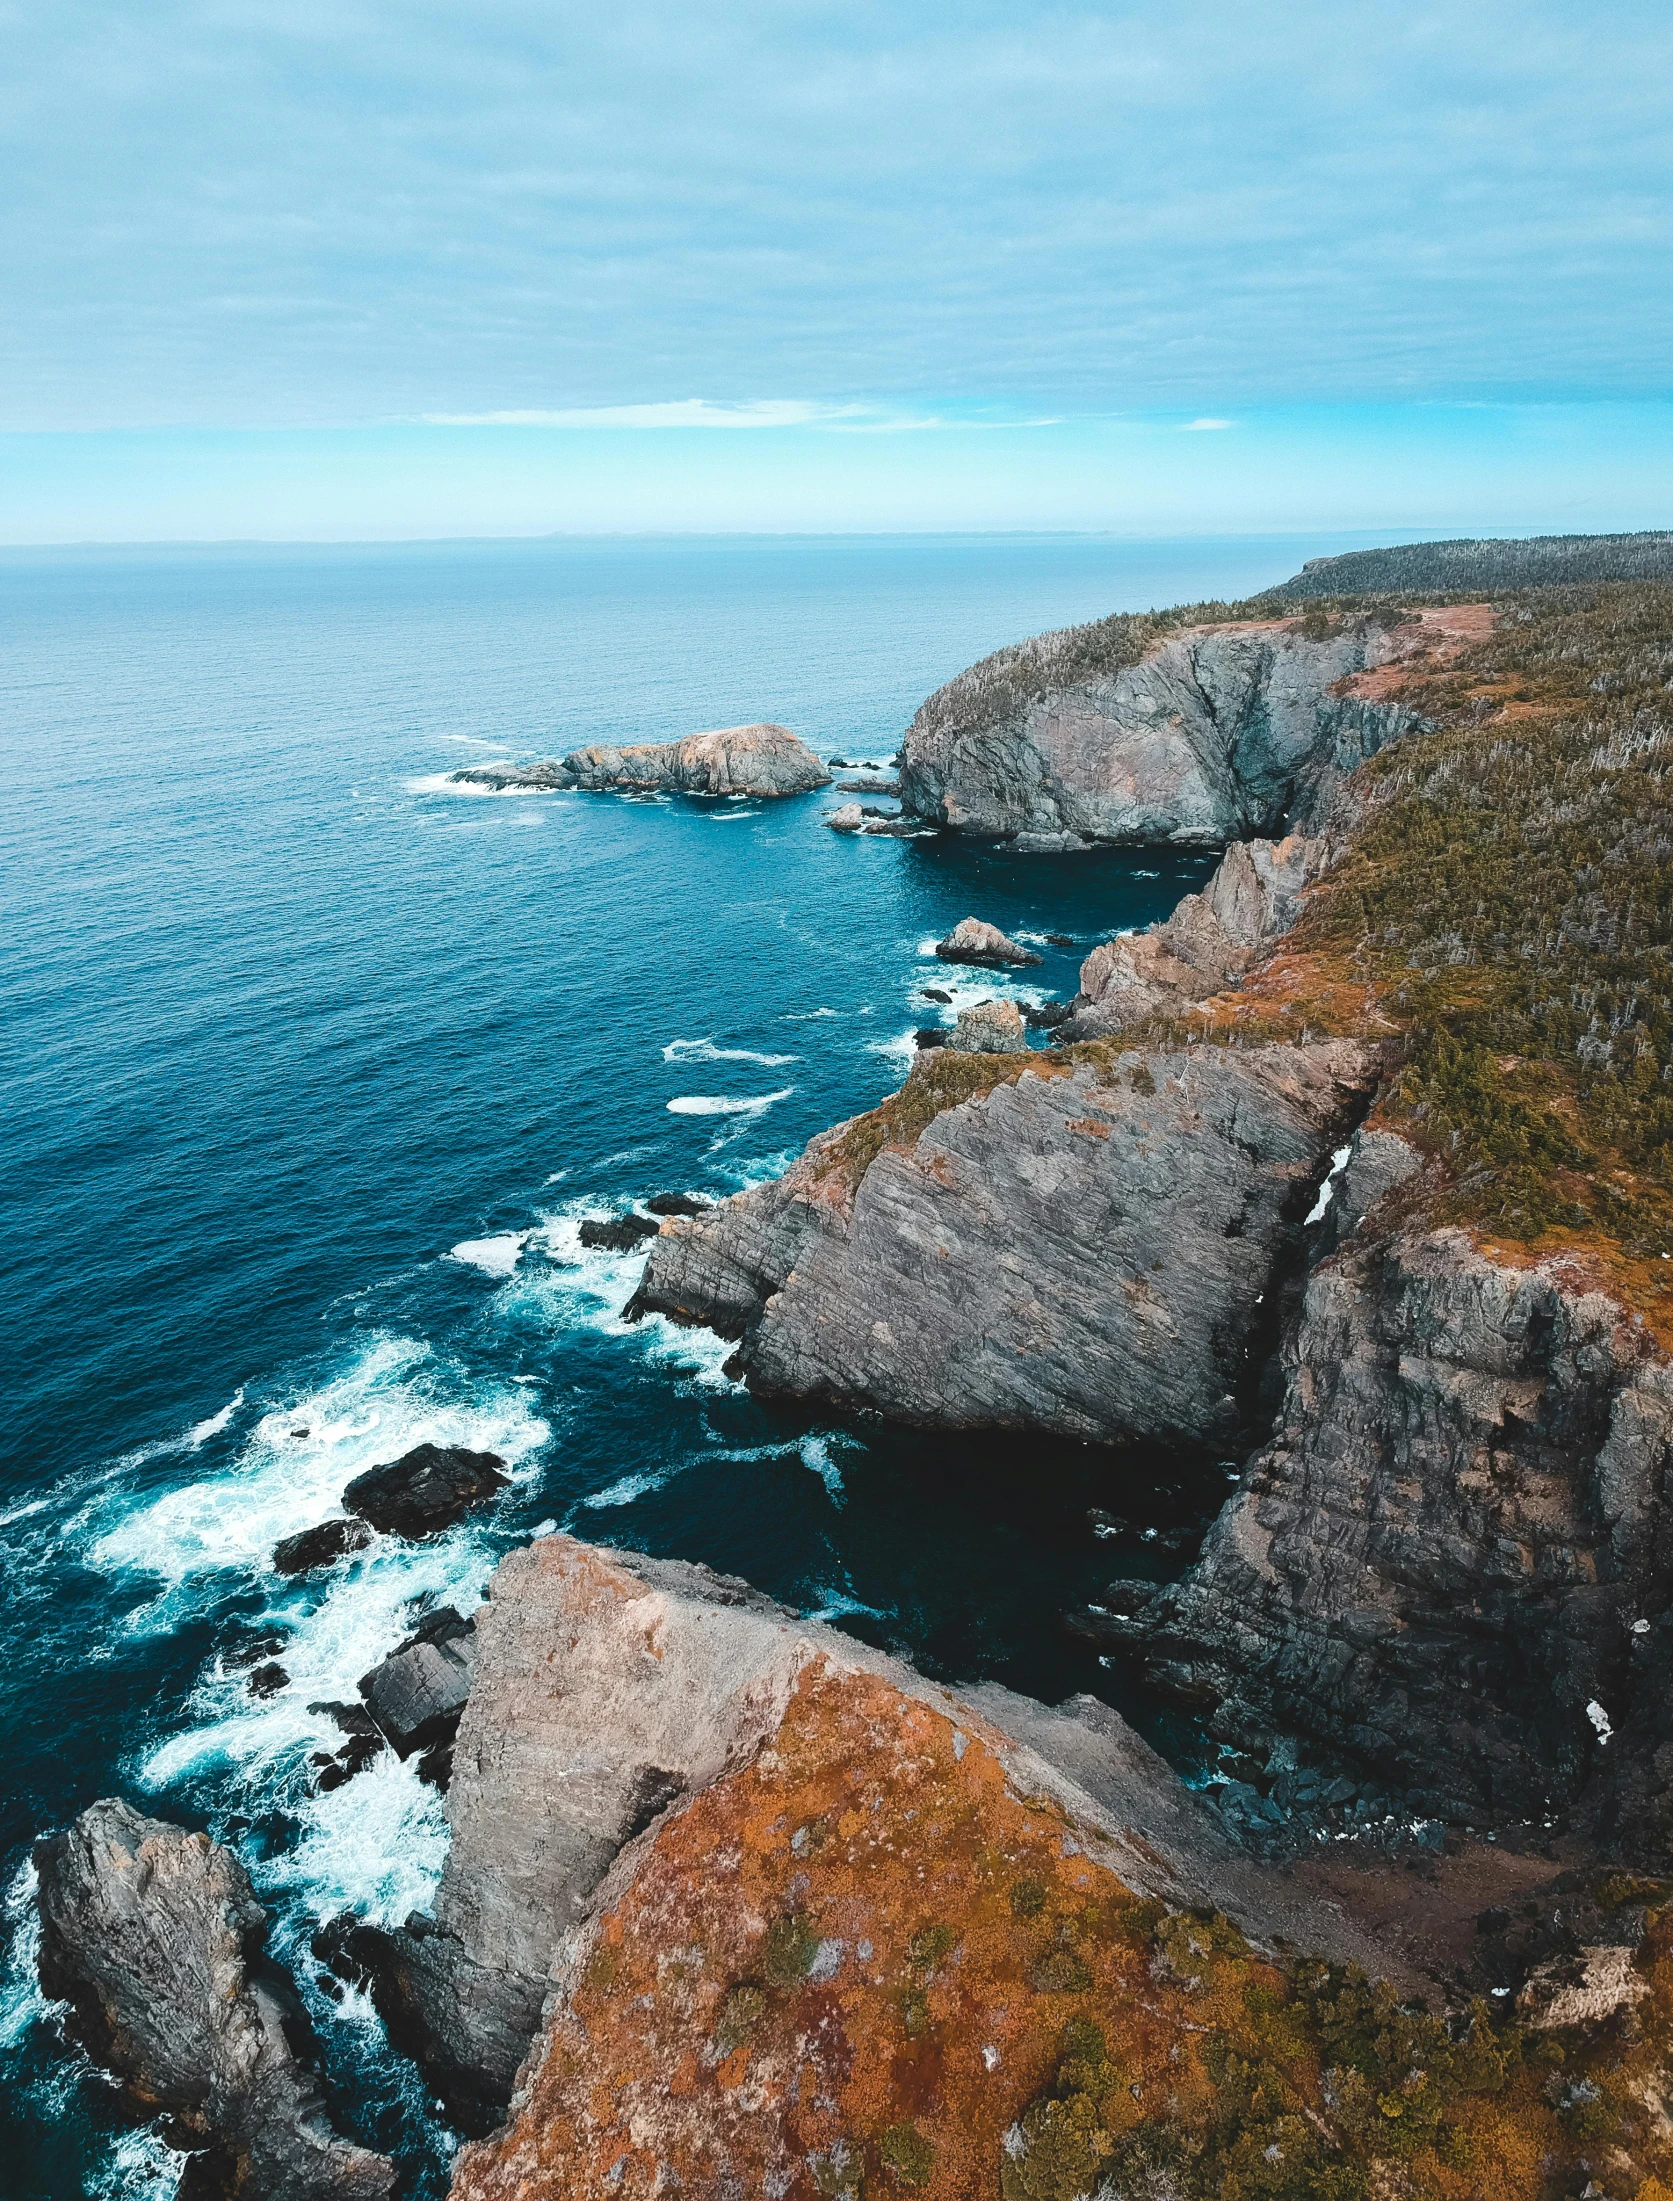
686,412
1192,427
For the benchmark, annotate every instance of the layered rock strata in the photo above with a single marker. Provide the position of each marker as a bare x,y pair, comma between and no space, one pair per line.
1087,1249
1219,733
153,1938
762,759
1452,1561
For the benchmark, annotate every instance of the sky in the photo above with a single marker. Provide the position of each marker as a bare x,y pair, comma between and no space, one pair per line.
350,269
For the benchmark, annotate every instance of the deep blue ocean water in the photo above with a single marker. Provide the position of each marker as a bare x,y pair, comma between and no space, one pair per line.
311,1064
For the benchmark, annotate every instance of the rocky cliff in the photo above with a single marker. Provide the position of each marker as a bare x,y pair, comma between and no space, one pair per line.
1452,1561
1127,731
1084,1246
762,760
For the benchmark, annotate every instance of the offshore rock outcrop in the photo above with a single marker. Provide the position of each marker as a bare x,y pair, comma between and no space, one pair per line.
153,1938
763,759
1219,733
1087,1248
1452,1561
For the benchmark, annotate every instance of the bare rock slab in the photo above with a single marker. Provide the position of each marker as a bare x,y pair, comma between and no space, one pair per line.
417,1693
153,1937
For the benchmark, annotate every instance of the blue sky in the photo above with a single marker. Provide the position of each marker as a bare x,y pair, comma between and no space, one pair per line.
331,268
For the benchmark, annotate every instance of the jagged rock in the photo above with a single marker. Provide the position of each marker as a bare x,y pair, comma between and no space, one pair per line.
1091,1252
1046,1016
1436,1567
677,1203
1047,844
762,759
873,784
425,1490
319,1547
931,1035
1217,734
1208,942
991,1028
542,778
253,1651
971,941
153,1937
617,1234
417,1693
268,1680
849,818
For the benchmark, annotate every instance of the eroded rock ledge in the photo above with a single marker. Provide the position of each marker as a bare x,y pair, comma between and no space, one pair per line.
1084,1249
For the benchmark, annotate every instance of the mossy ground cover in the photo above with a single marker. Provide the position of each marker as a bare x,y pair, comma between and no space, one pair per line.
942,1991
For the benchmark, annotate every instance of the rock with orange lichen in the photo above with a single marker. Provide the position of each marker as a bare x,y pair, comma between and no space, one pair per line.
871,1963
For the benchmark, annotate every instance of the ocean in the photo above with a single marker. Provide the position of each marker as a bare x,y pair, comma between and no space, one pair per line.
313,1062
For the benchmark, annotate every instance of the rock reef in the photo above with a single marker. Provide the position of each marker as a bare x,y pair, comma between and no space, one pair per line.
763,759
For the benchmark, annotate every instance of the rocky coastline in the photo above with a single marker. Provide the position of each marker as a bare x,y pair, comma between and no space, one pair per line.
733,1903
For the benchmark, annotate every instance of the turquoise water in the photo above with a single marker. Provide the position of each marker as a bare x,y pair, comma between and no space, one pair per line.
311,1065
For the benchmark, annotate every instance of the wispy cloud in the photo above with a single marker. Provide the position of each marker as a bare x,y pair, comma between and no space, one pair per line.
685,412
1196,427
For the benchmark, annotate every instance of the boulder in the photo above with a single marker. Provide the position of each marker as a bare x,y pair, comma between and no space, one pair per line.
616,1233
990,1028
677,1203
321,1546
425,1490
970,941
931,1035
417,1693
153,1938
849,819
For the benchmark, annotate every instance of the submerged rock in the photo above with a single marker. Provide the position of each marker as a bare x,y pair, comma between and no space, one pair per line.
154,1939
425,1490
617,1234
970,941
322,1546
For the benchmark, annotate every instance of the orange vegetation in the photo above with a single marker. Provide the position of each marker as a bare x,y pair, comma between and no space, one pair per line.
864,1966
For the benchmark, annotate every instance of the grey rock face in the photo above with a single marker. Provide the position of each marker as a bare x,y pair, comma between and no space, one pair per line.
990,1028
1086,1253
1440,1562
152,1936
1208,943
543,778
1219,734
599,1697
